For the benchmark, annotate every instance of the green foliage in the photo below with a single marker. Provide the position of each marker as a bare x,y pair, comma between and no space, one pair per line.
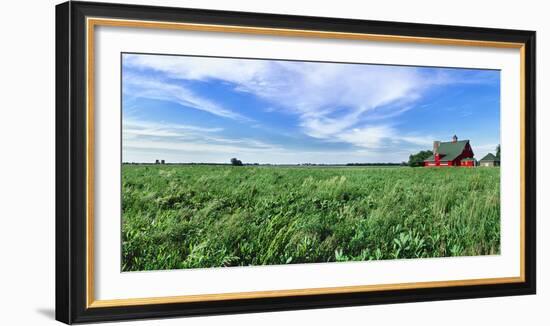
236,162
498,151
212,216
416,160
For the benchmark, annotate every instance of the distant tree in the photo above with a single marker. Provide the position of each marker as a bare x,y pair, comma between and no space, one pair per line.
498,151
369,164
418,158
236,162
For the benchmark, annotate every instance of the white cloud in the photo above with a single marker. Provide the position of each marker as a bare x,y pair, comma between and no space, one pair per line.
380,136
371,137
134,128
329,99
136,86
186,140
240,146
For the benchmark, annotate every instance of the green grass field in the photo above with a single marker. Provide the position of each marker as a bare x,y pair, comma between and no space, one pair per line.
212,216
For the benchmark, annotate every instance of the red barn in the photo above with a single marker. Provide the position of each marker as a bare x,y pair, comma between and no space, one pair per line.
453,153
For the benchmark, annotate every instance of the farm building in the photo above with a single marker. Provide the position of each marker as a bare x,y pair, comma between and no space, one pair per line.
453,153
489,160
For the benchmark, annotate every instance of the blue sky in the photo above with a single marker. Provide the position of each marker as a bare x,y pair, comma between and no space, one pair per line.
204,109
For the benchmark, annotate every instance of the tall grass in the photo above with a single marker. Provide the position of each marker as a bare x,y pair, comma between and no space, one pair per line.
211,216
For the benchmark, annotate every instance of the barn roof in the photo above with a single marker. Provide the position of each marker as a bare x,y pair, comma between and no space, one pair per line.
448,151
489,158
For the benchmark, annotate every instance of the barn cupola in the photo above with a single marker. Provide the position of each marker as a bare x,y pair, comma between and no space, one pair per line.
455,139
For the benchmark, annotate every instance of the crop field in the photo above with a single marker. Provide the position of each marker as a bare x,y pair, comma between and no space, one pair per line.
197,216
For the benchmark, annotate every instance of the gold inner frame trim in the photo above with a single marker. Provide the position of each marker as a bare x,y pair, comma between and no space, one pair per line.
92,22
296,292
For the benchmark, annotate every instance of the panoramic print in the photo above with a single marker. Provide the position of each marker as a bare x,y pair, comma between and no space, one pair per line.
246,162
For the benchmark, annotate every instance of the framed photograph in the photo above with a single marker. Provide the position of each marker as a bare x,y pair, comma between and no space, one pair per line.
212,162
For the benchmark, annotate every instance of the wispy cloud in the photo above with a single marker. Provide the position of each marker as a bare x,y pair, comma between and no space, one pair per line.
241,146
143,87
186,139
329,99
134,128
379,136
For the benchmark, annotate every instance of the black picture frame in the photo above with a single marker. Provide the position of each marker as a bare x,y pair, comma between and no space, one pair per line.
71,158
